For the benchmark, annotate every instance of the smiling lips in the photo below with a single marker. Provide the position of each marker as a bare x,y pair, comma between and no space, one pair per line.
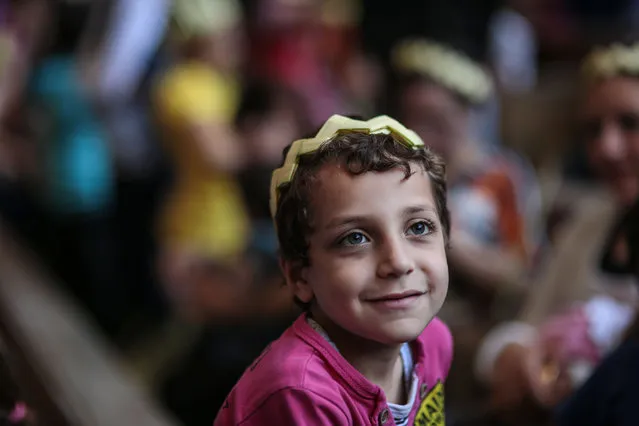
397,300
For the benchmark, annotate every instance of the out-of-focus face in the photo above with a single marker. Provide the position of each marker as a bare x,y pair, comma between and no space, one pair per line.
266,138
224,49
437,116
33,21
610,124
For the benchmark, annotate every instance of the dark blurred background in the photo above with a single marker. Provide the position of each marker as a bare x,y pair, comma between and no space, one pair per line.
137,138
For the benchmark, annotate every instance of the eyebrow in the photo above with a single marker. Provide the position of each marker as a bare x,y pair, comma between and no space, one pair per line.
348,220
420,208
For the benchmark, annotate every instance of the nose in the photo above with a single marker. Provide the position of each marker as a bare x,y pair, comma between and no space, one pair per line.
611,144
394,259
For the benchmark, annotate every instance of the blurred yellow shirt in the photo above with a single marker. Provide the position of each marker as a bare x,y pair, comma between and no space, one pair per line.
205,211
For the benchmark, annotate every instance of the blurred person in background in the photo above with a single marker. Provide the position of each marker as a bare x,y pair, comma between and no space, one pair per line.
492,244
17,156
356,72
437,90
125,60
204,225
287,49
269,115
78,176
314,47
609,397
610,124
548,362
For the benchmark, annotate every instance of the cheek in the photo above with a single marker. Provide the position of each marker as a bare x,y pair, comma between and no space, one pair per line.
602,164
435,266
338,281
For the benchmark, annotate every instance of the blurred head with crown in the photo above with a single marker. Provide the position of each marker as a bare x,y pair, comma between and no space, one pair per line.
438,86
609,116
211,31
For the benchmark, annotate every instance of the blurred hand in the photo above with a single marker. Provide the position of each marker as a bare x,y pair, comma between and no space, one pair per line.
219,145
546,373
509,382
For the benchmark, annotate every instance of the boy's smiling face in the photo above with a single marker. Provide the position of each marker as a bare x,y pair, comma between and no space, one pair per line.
378,266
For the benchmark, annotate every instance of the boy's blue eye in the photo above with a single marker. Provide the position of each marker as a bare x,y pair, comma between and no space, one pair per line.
354,239
420,228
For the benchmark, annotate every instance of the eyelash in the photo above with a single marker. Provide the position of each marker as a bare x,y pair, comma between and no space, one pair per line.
430,228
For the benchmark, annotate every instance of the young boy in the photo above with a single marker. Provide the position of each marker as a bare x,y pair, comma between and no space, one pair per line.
362,224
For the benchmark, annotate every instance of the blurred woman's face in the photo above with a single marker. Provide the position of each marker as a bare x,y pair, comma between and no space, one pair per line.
223,49
610,120
267,138
434,113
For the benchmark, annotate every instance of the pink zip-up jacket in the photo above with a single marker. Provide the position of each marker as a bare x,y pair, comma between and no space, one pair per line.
300,379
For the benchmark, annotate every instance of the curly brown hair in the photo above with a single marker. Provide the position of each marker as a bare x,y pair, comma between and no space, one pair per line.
358,153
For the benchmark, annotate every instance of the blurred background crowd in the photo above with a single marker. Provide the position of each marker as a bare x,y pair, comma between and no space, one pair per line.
137,138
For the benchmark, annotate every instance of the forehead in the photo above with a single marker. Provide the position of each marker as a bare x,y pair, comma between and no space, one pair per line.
336,192
613,95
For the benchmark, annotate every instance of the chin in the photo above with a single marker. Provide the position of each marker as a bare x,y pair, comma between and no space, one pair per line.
402,331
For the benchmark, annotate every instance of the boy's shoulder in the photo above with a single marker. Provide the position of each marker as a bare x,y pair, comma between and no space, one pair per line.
288,363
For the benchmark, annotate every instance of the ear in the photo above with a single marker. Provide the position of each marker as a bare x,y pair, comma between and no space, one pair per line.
296,280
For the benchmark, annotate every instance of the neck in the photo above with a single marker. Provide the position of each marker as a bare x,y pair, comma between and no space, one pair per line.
381,364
